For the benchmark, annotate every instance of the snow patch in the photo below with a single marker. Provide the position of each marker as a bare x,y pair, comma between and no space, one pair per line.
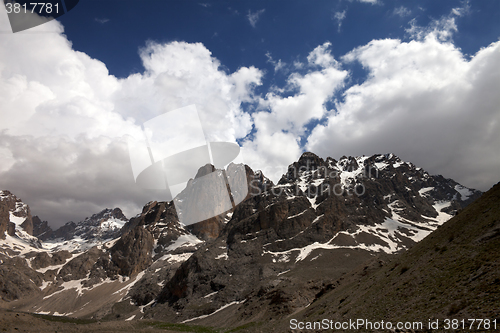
176,257
464,191
184,240
17,220
222,256
381,165
211,294
424,190
58,267
291,217
442,216
218,310
130,285
141,308
284,272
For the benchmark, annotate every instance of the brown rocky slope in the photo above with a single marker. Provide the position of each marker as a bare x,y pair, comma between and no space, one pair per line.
452,274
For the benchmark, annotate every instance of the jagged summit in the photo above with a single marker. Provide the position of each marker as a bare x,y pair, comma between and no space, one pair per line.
16,224
96,229
104,225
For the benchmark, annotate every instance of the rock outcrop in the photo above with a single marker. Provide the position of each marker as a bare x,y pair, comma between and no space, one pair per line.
133,251
41,229
18,280
14,214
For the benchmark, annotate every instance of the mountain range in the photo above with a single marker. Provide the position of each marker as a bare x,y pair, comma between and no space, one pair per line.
286,249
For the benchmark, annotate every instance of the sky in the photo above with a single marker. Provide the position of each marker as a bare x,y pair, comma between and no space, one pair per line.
419,79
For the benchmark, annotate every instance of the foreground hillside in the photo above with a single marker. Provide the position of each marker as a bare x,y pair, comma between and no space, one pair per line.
454,273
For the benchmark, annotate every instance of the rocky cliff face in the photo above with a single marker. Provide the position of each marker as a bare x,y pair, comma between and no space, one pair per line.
15,219
41,229
4,219
263,258
132,252
323,216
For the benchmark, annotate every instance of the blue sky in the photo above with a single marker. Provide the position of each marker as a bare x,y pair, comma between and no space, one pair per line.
113,30
419,79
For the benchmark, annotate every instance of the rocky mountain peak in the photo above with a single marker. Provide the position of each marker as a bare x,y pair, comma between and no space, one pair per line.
105,215
41,229
94,230
15,219
310,160
104,225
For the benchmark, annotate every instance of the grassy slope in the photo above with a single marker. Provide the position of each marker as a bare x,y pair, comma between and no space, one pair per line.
11,321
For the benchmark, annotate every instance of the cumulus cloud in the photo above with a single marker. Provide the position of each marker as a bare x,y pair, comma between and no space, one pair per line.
422,99
253,17
54,89
285,113
425,102
321,56
65,119
179,74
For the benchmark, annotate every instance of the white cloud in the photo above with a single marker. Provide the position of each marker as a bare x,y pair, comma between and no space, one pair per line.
284,117
298,64
423,101
373,2
271,152
65,180
179,74
278,65
339,17
442,28
253,17
102,20
244,80
402,11
461,11
54,89
62,150
321,56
